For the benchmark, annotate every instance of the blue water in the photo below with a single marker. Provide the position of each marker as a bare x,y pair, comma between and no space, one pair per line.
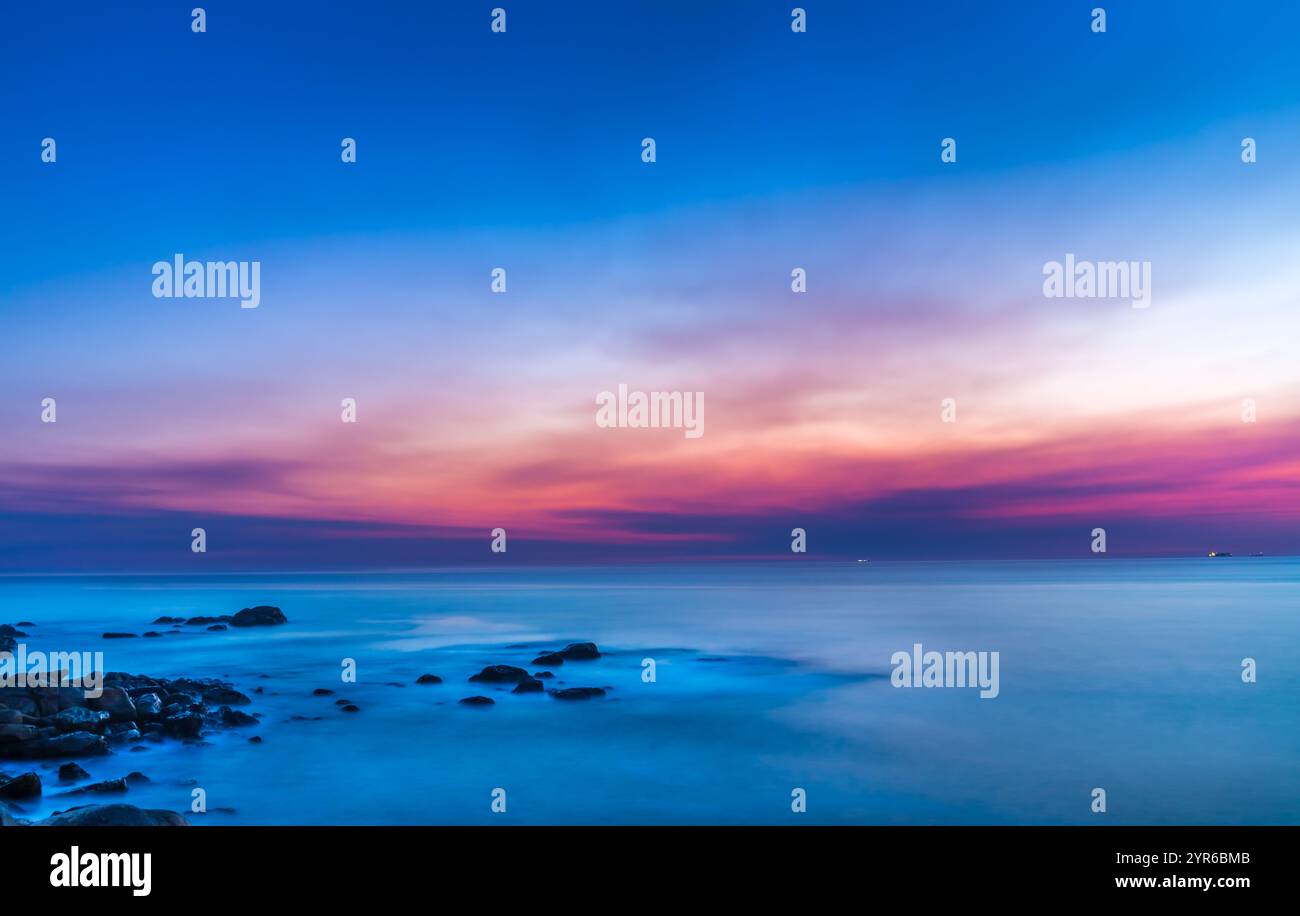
1120,674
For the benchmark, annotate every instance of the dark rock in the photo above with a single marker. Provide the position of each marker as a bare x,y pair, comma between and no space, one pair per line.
543,675
119,635
341,702
25,623
166,619
428,679
227,696
235,717
78,718
256,739
532,685
216,628
184,724
148,706
350,708
135,777
577,693
205,621
549,658
71,772
322,692
501,674
28,785
151,634
478,701
73,744
261,616
107,787
116,702
114,816
580,651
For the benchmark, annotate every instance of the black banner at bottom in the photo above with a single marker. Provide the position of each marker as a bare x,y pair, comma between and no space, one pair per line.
533,865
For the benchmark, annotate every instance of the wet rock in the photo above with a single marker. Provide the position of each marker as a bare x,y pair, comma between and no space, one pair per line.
580,651
543,675
151,634
107,787
227,696
501,674
206,621
577,693
532,685
25,623
478,701
135,777
114,816
232,717
322,692
71,772
428,679
78,718
186,724
342,702
216,628
148,706
256,739
350,707
16,733
166,619
261,616
28,785
10,717
549,658
116,702
73,744
119,636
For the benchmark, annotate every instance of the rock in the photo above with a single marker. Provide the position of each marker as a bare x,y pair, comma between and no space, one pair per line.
73,744
479,701
71,772
166,619
341,702
216,628
78,718
10,717
25,623
28,785
350,708
549,658
116,702
15,733
256,739
135,777
152,634
322,692
501,674
532,685
543,675
184,724
580,651
114,816
107,787
148,706
225,696
428,679
119,636
235,717
577,693
205,621
261,616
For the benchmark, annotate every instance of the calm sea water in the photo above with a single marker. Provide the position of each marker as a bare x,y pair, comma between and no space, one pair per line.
1121,674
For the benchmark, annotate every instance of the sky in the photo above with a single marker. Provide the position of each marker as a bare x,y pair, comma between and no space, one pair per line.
522,150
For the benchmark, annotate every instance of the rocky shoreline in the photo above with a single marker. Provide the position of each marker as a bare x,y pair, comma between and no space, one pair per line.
55,721
59,723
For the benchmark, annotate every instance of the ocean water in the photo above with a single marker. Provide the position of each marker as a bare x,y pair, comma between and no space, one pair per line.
1119,674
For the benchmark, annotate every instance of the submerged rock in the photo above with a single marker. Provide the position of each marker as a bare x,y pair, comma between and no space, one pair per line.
119,635
264,615
166,619
501,674
71,772
532,685
322,692
577,693
28,785
479,701
428,679
114,816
